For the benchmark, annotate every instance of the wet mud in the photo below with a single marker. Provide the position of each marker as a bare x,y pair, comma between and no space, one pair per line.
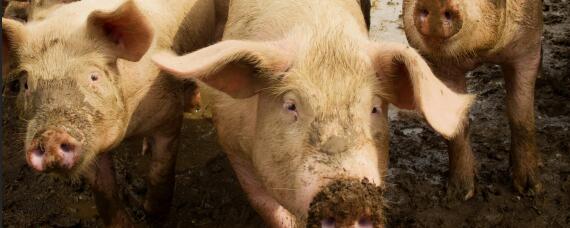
347,202
207,193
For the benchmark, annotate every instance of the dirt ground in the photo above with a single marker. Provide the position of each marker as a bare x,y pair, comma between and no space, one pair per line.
207,193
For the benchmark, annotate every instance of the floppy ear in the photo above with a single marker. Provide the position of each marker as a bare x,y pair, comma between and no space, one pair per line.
126,29
13,35
410,84
237,68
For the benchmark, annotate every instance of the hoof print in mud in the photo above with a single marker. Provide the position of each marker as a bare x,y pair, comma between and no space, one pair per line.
346,203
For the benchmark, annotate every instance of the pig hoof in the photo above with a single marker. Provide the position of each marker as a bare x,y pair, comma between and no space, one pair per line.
463,190
527,182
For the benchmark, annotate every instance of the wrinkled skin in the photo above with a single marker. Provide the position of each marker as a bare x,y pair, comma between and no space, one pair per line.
457,36
84,81
300,97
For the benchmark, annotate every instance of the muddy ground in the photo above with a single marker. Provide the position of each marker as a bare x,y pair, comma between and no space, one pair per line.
208,194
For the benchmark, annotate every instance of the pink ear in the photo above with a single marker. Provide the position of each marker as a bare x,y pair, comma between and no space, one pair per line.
13,34
409,82
233,67
126,29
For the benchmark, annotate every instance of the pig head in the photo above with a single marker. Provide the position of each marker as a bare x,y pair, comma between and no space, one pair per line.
303,102
66,82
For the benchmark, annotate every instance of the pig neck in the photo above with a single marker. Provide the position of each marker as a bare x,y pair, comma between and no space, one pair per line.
142,83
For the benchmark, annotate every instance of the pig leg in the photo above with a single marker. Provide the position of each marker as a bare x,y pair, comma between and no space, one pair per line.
461,180
105,189
520,77
266,206
160,179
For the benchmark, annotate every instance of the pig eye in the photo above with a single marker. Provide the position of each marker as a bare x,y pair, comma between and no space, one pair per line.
14,86
328,223
94,76
291,107
375,110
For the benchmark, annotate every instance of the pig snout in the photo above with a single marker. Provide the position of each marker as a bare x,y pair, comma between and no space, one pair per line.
53,149
347,203
437,19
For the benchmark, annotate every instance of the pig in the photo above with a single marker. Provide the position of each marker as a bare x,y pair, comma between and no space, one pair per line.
84,81
299,97
457,36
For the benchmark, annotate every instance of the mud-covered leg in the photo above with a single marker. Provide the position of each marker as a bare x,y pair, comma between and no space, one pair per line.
273,213
158,198
520,77
104,186
461,182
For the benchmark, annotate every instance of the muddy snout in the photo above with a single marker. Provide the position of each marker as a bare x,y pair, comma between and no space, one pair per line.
437,19
347,203
53,149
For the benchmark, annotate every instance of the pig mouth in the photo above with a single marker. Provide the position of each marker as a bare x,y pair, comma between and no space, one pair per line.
346,202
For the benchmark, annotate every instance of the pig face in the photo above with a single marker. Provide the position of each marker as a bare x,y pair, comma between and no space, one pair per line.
321,105
309,133
68,86
452,27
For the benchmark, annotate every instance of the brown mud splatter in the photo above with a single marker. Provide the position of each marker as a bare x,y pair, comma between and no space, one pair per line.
347,202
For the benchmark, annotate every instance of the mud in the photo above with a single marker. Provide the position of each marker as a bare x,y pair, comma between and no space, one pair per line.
208,194
347,202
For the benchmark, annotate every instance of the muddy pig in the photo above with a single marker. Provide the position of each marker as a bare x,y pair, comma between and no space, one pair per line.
300,97
457,36
84,81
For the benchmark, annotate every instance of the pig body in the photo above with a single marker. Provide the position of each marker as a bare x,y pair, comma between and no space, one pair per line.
84,81
299,99
457,36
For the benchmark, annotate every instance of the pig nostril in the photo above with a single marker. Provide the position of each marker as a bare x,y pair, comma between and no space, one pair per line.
364,222
448,15
39,151
66,147
424,13
328,222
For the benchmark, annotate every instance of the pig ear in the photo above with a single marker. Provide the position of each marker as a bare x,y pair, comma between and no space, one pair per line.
237,68
126,29
410,84
13,35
